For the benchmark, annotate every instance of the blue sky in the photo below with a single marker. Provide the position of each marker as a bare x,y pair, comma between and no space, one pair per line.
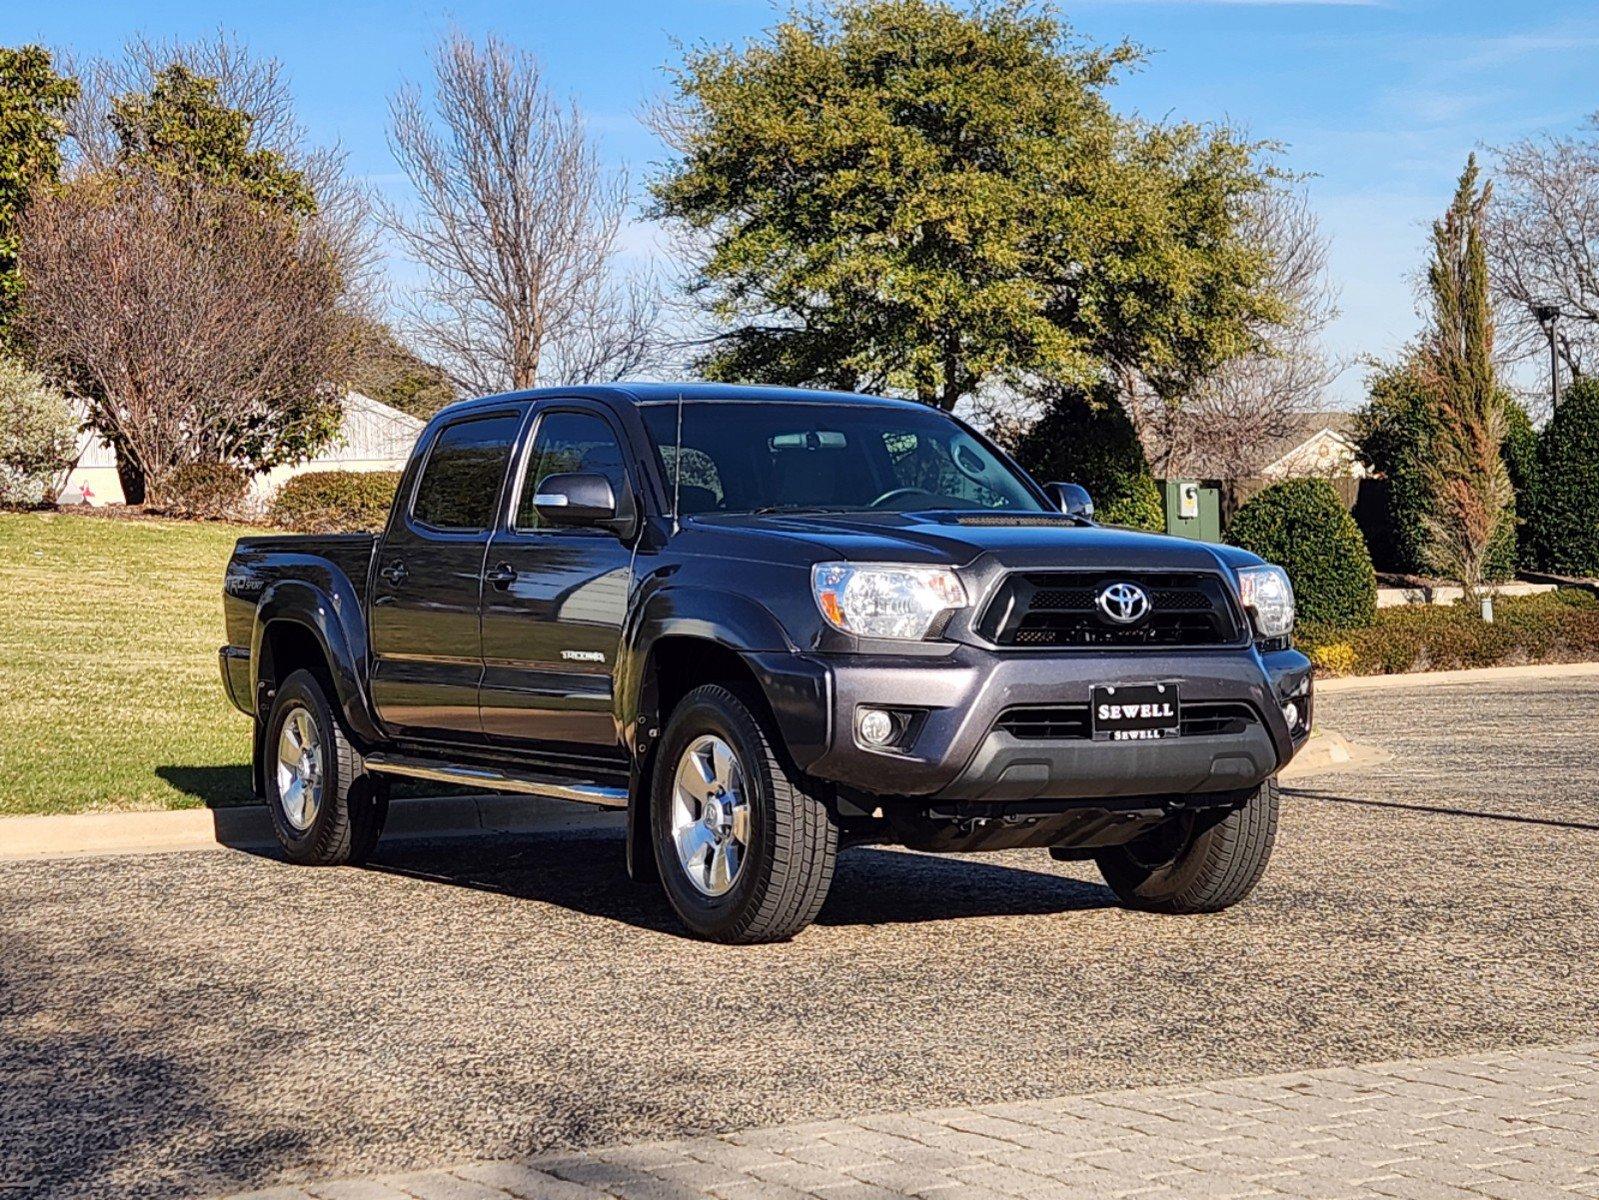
1378,101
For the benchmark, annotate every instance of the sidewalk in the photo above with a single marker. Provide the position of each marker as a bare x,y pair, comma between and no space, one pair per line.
1513,1125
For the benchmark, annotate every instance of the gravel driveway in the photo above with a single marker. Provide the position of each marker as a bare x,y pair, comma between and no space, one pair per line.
194,1023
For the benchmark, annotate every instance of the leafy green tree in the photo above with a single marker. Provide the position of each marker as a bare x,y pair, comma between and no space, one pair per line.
1086,438
34,100
1466,477
897,195
1301,525
182,129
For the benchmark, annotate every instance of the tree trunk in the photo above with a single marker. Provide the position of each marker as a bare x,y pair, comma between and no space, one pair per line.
129,474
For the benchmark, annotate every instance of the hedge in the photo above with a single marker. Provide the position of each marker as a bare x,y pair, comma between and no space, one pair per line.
1086,438
335,501
1302,526
1563,523
1560,626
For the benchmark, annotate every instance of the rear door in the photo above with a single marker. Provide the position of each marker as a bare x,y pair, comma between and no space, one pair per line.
555,599
427,651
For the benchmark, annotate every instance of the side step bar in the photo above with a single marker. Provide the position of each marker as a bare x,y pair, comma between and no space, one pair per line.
497,779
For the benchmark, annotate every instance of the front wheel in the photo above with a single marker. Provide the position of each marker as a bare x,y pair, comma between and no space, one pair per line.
745,852
325,809
1195,863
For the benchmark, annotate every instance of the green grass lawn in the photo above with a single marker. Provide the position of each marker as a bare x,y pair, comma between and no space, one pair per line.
109,691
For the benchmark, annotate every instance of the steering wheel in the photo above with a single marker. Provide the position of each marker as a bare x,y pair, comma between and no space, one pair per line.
896,493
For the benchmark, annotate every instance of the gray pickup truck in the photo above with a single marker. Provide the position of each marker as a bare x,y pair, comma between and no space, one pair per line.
771,624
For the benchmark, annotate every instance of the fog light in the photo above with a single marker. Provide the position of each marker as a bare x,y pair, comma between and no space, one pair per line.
1291,714
877,727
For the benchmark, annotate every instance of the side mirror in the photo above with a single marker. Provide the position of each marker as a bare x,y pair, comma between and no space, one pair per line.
583,500
1072,499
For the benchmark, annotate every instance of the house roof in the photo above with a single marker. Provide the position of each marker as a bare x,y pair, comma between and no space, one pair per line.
1305,427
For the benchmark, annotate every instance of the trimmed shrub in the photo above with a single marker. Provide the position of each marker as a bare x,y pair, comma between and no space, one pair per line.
1558,626
38,435
1302,526
335,501
1394,432
1086,438
1563,523
206,490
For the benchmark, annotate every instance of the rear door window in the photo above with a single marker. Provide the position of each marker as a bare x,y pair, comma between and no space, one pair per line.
460,485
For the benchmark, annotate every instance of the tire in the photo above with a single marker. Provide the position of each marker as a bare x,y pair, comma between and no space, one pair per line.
774,886
335,818
1194,866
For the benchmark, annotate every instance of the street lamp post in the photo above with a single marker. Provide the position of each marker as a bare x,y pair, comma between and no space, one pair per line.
1547,315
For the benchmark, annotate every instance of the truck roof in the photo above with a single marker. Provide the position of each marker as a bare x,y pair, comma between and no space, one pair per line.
663,393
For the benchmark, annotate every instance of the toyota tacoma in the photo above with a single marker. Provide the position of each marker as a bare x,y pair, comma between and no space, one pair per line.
771,625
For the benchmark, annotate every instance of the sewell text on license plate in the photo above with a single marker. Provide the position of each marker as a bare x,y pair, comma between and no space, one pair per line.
1135,712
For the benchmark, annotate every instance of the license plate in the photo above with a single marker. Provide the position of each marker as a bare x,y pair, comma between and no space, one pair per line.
1135,712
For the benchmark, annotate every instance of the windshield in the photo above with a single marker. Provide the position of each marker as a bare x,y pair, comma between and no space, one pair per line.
790,456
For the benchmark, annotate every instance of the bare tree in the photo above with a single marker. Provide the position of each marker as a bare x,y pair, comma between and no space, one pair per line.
1543,245
202,327
1256,399
516,226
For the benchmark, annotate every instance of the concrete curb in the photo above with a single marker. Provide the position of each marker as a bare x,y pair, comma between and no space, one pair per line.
248,827
1328,751
1355,683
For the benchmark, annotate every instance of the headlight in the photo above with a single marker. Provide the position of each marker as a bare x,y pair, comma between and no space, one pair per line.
882,600
1269,597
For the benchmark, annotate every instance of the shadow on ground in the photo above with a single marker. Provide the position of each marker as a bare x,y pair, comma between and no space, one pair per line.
587,874
92,1105
213,786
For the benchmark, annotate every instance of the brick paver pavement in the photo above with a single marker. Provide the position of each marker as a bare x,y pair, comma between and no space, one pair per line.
1511,1125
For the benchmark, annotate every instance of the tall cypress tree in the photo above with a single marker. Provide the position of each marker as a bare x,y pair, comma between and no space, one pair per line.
1469,485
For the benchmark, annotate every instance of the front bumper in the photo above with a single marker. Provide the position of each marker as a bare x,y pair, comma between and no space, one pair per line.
958,754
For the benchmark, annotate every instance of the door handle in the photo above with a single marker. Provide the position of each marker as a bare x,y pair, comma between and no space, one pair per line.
395,573
501,575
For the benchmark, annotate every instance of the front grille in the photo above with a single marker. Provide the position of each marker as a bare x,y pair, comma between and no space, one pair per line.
1058,608
1069,722
1046,722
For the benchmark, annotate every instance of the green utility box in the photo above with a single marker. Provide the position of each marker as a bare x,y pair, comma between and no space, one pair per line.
1193,509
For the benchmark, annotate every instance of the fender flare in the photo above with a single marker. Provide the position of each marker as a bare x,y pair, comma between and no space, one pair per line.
334,617
740,625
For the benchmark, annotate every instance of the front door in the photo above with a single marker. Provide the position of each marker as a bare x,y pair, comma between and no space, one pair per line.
426,651
554,599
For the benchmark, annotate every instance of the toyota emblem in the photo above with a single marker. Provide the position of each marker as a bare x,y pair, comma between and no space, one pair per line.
1123,603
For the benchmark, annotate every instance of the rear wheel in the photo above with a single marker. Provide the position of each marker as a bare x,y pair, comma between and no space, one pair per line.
744,851
325,809
1195,863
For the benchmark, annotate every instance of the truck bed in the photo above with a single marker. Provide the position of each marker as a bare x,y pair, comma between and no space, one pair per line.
272,556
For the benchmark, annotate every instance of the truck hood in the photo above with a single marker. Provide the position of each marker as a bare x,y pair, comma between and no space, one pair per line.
958,539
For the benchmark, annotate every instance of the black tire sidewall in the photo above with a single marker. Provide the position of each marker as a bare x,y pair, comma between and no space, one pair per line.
301,690
713,710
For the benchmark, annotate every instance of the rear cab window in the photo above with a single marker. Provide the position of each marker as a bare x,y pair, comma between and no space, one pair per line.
459,491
